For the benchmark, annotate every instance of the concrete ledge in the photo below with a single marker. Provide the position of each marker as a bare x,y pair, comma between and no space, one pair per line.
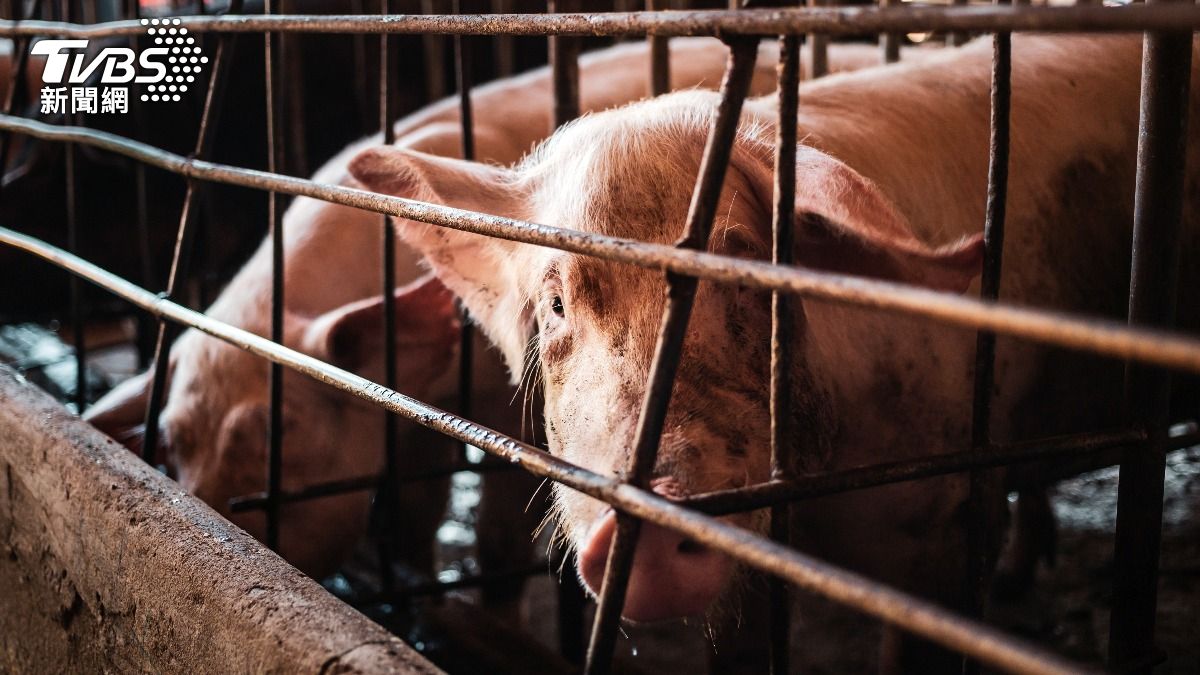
106,565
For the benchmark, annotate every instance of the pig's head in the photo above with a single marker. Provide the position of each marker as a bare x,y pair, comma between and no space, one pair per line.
590,326
214,424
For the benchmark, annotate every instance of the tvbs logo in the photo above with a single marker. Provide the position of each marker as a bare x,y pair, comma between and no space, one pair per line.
166,71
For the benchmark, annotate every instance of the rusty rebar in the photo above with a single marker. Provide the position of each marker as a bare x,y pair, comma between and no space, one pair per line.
761,22
681,295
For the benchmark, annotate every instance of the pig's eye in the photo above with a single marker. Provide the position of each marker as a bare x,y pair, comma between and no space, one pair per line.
556,306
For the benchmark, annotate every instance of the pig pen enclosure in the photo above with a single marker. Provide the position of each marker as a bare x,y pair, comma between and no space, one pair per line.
278,86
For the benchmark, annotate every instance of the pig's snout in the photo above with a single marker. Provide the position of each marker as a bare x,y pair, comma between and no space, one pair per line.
673,576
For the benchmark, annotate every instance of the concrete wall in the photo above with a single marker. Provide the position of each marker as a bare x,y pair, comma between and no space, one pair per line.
106,565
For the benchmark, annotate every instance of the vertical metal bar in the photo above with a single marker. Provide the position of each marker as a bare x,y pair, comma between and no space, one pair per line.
1153,286
782,318
818,48
145,324
564,67
77,328
503,46
387,491
181,258
291,89
985,342
681,295
462,77
435,58
275,220
958,38
362,97
890,42
660,56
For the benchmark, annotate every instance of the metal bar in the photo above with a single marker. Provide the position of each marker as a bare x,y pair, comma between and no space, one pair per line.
958,38
918,616
564,67
275,224
1153,287
504,48
258,500
181,257
985,342
818,46
466,344
760,22
783,317
386,487
681,295
660,56
890,41
76,300
763,495
1158,347
435,59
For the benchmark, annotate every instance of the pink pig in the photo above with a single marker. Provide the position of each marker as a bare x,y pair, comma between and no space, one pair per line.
214,420
891,177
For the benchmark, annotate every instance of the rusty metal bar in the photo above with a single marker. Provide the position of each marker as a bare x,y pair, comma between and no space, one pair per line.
181,257
504,48
957,38
564,67
818,46
783,316
435,58
1153,287
660,56
681,295
889,42
761,22
1108,338
386,509
463,77
762,495
275,224
919,616
985,342
78,335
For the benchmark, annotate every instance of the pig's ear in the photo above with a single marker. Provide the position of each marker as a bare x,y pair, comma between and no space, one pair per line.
480,270
844,223
427,329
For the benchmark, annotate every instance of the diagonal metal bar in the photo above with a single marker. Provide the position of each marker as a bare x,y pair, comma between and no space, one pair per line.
681,295
1158,347
919,616
183,245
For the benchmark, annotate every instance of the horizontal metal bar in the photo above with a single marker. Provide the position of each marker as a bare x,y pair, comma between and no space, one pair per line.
762,495
762,22
258,500
921,617
1109,338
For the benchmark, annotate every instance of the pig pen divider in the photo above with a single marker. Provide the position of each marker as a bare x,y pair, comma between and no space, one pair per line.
1145,441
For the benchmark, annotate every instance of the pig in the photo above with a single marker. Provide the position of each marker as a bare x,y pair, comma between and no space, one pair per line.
891,172
213,422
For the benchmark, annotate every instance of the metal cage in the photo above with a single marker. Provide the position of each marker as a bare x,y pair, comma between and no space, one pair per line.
1146,343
